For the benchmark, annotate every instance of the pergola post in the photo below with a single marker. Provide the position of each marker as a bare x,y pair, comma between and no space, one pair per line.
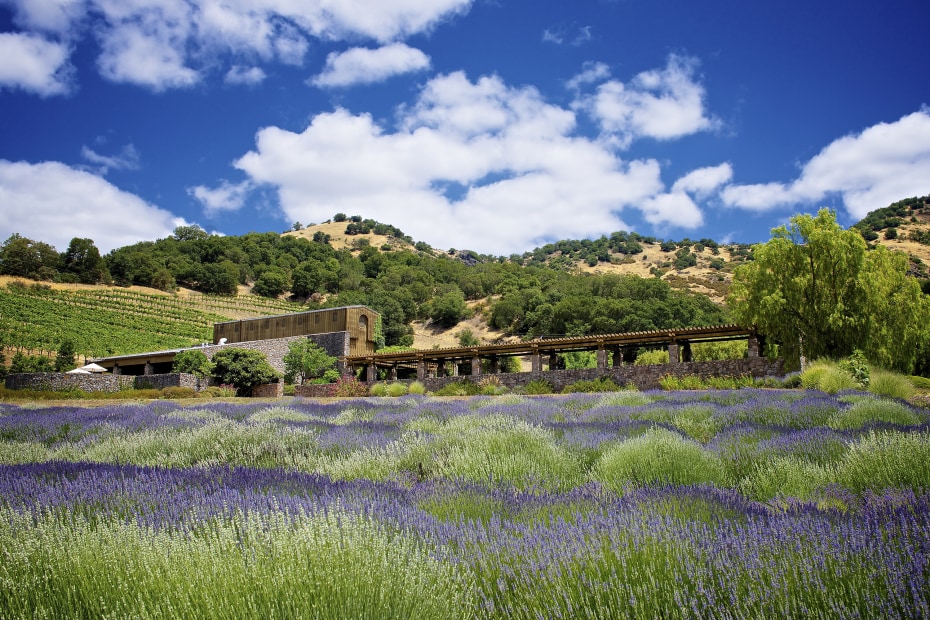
476,365
601,357
371,374
536,360
673,352
753,347
421,368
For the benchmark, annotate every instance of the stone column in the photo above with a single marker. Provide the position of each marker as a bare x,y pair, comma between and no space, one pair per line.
753,347
536,360
476,366
601,358
686,352
149,369
440,367
421,369
617,356
553,361
673,353
372,373
495,365
392,373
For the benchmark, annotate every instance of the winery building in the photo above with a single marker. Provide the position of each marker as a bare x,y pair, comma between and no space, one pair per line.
342,332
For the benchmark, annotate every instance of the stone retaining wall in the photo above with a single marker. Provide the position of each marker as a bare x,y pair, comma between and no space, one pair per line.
643,377
101,382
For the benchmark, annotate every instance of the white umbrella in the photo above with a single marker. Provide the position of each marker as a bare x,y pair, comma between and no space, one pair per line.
93,368
78,371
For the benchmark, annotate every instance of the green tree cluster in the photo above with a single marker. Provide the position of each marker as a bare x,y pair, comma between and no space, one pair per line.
306,360
815,289
242,368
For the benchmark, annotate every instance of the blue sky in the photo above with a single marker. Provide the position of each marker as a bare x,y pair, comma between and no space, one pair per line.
491,125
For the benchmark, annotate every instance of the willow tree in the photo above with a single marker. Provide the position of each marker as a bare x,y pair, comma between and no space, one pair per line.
817,286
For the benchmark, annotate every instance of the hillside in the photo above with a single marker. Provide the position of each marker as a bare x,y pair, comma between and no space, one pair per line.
357,261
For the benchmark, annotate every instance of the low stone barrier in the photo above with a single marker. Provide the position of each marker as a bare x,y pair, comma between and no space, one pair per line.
100,382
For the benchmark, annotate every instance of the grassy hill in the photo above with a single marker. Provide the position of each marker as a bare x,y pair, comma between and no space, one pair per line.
102,320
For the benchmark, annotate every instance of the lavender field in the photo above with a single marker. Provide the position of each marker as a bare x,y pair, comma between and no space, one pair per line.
718,504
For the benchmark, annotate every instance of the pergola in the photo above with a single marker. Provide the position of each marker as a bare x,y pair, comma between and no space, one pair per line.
433,361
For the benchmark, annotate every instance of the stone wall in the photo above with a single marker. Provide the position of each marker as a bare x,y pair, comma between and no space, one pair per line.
334,343
101,382
268,390
643,377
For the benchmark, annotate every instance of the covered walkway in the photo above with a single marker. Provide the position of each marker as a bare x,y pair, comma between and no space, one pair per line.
622,347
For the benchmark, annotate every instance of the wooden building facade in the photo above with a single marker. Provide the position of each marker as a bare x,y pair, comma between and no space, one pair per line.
359,321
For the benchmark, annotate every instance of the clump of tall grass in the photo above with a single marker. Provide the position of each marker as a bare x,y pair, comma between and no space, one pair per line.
828,377
378,390
891,384
416,387
657,457
873,411
316,566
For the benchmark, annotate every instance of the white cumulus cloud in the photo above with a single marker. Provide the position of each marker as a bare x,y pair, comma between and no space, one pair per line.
249,76
226,197
54,203
364,66
168,44
32,63
869,170
475,164
660,104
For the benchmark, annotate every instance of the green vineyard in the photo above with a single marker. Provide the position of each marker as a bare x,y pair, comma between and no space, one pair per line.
112,321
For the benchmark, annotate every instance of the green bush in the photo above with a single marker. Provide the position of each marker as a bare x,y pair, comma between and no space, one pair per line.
459,388
537,386
872,411
193,361
857,367
891,384
396,389
601,384
417,388
658,456
179,392
243,368
378,390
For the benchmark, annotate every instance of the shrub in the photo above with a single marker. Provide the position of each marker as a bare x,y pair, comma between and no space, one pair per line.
921,383
601,384
659,456
537,386
417,388
243,368
459,388
836,380
887,460
348,386
378,390
872,411
193,361
857,367
179,392
890,384
396,389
